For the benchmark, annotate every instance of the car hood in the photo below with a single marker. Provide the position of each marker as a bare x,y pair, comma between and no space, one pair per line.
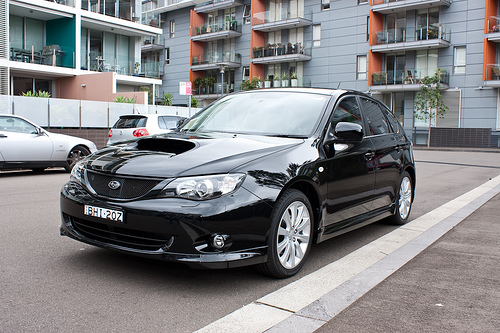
176,154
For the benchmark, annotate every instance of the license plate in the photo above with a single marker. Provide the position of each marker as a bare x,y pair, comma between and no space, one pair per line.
103,213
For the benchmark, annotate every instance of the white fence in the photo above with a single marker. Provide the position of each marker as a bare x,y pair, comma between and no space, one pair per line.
56,112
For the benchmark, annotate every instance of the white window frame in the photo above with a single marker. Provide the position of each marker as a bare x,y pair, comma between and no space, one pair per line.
325,4
459,59
361,68
316,35
172,28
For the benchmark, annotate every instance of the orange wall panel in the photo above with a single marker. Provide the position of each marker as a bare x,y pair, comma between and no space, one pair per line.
258,6
375,62
376,25
488,58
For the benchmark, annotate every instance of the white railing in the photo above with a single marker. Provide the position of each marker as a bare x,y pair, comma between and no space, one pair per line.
57,112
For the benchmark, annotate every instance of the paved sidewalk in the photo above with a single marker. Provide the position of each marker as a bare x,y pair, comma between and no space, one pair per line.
452,286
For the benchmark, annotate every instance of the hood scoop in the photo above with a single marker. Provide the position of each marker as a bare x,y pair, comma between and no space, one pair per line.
169,146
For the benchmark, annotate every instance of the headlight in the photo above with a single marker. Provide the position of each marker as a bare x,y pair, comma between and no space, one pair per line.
77,173
203,187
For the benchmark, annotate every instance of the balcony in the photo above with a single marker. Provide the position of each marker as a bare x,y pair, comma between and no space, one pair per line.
112,8
151,69
402,80
153,43
229,29
151,19
280,20
213,5
164,6
50,55
215,60
493,25
492,75
392,6
70,3
411,39
279,53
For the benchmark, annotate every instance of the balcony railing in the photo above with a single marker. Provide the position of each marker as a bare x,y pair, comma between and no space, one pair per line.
295,12
216,28
404,77
70,3
216,58
50,55
151,19
493,24
493,72
412,34
273,50
111,8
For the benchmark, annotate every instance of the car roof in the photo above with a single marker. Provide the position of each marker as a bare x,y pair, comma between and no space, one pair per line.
324,91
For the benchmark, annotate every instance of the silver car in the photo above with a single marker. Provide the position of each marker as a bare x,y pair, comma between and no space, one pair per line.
26,145
136,125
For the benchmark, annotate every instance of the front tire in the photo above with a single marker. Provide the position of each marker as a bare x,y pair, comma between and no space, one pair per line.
404,200
76,154
290,236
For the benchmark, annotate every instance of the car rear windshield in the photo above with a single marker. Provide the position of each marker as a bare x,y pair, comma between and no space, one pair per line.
274,113
130,122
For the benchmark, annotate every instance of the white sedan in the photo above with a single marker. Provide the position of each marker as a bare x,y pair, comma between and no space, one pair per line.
26,145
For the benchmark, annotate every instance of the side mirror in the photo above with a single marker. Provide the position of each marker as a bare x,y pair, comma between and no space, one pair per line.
345,133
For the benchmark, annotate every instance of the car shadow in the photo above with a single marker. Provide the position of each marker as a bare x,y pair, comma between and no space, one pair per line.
29,172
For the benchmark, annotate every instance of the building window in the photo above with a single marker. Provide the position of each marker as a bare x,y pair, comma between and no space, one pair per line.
172,29
367,28
459,60
325,4
246,73
362,2
167,56
246,14
316,35
361,68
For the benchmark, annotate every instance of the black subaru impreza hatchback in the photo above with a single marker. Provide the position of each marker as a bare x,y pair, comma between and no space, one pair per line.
253,179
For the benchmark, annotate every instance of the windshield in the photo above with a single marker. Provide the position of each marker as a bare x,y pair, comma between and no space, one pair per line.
264,113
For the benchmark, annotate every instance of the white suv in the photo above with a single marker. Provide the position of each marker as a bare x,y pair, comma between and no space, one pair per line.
137,125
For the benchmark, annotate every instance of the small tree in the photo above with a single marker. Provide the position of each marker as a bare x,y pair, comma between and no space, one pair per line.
167,99
194,102
429,102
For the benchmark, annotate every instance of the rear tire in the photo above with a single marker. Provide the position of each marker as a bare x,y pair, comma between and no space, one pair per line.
76,154
290,236
404,200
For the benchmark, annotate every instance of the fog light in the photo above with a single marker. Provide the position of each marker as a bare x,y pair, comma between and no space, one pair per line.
219,241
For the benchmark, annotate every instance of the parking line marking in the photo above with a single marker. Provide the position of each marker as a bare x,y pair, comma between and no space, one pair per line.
308,303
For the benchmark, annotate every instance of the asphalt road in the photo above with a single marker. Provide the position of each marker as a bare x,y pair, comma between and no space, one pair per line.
54,284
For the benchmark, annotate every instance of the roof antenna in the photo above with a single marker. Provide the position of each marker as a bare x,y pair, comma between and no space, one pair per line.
339,84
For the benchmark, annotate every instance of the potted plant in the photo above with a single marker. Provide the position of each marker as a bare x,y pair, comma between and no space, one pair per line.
277,81
267,82
284,80
136,68
257,51
294,82
209,82
257,82
379,78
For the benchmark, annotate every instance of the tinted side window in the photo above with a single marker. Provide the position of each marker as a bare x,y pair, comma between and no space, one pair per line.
168,122
347,111
377,123
396,126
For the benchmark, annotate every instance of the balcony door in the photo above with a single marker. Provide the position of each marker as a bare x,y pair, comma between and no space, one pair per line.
395,66
396,27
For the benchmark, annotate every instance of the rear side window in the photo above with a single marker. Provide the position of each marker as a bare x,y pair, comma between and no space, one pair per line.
168,122
377,123
130,122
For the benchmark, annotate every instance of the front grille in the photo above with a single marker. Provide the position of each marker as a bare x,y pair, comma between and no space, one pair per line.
130,187
117,235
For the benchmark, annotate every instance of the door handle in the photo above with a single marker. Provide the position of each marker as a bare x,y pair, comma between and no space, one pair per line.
3,136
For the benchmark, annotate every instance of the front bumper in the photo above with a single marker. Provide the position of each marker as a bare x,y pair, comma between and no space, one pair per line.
176,230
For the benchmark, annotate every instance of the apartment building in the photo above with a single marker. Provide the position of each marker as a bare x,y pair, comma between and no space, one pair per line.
382,47
77,49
